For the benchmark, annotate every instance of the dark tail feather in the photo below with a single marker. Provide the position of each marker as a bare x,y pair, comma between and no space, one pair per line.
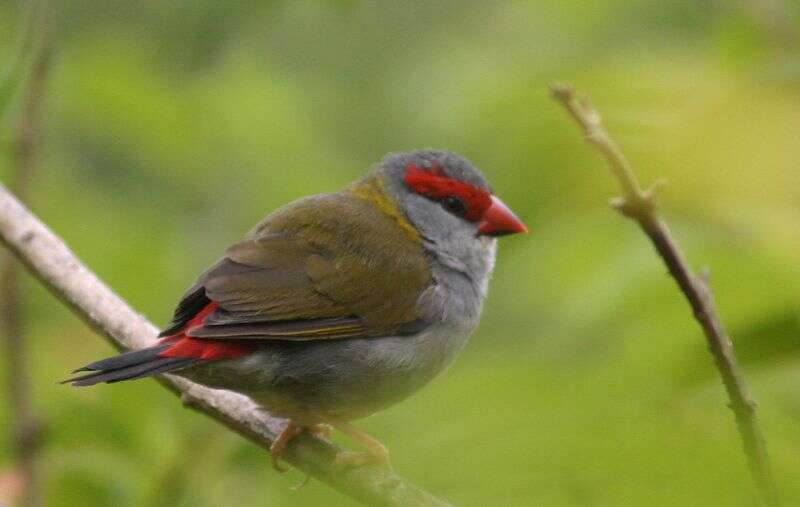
131,358
129,366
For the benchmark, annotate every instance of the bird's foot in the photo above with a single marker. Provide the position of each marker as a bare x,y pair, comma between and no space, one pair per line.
376,453
321,430
278,447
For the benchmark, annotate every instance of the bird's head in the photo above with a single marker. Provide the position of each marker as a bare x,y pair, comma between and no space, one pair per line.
451,205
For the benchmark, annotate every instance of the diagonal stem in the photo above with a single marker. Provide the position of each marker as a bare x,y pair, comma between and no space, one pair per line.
640,205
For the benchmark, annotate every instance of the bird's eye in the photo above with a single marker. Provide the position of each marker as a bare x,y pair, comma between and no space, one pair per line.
454,205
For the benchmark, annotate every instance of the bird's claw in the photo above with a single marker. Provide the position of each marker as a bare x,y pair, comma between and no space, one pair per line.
376,454
321,430
278,447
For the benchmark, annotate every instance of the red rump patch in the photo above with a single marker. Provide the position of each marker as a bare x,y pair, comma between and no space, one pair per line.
209,350
433,184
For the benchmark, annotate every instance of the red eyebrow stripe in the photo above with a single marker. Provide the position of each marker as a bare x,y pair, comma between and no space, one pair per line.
433,184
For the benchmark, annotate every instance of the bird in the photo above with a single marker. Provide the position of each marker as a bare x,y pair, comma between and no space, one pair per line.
338,305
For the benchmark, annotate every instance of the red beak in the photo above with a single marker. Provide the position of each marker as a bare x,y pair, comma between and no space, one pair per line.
498,220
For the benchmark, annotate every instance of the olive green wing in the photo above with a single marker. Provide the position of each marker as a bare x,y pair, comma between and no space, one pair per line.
323,268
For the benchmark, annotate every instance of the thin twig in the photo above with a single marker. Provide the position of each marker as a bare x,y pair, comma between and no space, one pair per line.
51,261
26,427
640,205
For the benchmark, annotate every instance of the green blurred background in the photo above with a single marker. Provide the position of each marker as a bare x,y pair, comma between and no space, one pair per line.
170,128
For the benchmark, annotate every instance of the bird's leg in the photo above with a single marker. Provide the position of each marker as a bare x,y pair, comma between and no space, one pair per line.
279,445
376,452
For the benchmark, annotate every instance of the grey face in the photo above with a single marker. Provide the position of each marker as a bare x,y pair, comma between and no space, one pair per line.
451,239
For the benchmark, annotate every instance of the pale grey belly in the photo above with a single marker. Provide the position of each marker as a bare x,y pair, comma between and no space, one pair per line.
347,379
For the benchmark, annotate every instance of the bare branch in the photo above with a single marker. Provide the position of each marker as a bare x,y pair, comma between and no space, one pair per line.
640,205
51,261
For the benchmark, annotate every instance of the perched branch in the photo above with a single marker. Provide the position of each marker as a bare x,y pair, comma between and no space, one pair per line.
51,261
640,205
26,427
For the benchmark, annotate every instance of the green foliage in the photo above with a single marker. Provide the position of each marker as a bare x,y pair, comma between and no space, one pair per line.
171,131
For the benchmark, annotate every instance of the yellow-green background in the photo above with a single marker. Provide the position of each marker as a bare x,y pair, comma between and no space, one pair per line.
172,127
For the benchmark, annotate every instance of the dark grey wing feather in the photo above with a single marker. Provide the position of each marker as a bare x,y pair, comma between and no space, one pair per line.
338,327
